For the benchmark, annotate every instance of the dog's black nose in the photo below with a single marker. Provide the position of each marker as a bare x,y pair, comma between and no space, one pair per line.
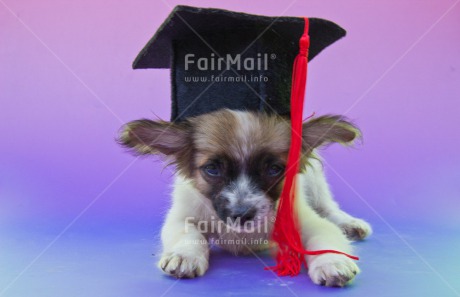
244,214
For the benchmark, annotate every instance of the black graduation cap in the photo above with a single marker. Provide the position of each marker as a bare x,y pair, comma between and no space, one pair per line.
224,59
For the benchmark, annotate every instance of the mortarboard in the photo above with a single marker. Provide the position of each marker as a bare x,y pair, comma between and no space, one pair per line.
224,59
199,44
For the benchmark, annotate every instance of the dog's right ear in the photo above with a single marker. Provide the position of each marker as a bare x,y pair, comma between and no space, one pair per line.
155,137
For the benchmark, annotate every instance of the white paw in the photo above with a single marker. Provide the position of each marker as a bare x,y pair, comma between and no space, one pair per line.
332,270
183,266
356,229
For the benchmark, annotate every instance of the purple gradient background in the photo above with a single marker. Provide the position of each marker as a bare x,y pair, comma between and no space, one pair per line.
66,88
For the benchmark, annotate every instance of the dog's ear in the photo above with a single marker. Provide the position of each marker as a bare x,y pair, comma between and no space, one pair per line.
327,129
155,137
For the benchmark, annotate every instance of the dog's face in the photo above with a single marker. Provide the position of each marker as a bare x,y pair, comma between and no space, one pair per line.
234,158
239,161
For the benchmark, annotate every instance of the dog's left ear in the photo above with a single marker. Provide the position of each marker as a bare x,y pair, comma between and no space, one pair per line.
328,129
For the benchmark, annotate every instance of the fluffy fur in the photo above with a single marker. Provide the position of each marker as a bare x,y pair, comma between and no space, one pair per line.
230,167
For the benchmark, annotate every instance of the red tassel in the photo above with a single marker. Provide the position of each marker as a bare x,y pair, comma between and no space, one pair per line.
286,229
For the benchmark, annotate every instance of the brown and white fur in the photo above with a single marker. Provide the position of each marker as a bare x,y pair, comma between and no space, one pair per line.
230,164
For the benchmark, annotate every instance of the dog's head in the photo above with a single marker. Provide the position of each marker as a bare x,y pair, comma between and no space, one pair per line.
234,158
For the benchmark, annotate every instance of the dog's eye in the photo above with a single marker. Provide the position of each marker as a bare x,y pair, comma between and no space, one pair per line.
274,170
211,170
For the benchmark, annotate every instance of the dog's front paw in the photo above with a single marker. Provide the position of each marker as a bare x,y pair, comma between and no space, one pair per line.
332,270
182,266
356,229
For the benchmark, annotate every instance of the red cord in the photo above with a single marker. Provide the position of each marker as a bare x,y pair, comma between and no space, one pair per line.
286,230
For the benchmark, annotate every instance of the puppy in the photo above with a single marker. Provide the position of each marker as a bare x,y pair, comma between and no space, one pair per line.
229,172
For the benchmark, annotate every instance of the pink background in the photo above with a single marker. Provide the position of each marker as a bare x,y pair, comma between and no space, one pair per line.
66,86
